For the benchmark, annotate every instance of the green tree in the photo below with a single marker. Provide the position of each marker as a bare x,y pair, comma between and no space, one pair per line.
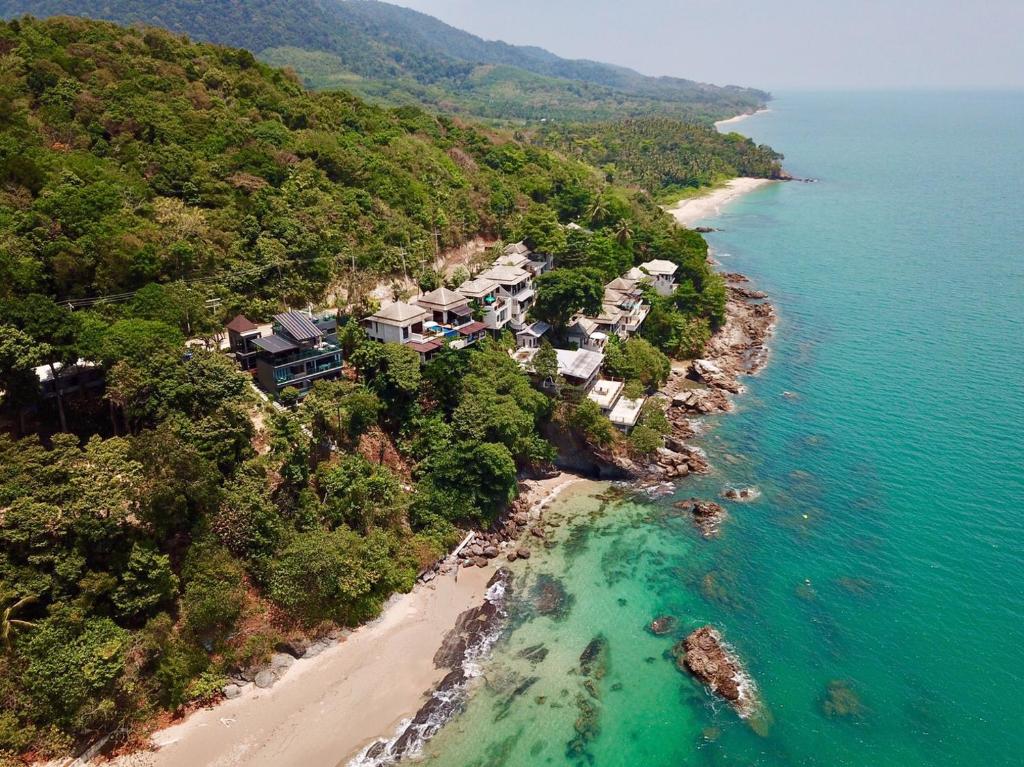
637,360
564,292
340,575
587,418
146,583
20,354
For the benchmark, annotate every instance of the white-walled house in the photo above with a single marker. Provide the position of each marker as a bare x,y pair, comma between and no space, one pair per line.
516,286
396,323
660,273
488,295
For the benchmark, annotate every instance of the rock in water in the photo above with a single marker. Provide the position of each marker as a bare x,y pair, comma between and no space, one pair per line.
841,701
707,515
705,655
666,624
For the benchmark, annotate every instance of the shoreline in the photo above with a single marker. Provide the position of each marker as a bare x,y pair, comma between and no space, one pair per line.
373,680
690,210
739,118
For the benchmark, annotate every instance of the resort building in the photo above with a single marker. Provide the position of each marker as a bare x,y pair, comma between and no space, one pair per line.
519,255
242,334
78,377
659,273
516,286
624,296
586,333
439,318
300,350
489,297
579,367
623,412
529,336
396,323
446,307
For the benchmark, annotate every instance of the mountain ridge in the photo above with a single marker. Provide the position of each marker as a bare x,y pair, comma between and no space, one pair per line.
398,55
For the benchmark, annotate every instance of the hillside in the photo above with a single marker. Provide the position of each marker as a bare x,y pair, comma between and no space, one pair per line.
664,156
400,56
167,530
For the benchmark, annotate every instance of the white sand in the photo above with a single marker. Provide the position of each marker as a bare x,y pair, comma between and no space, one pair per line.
739,118
326,709
693,209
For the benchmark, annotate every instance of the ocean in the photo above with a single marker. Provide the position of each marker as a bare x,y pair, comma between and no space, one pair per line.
875,590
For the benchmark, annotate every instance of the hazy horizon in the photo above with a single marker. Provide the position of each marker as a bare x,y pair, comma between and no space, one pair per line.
791,45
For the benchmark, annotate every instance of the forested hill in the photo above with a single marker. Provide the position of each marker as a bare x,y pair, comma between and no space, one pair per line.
165,532
398,55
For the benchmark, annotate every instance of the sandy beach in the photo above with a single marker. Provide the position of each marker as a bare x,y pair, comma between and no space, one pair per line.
738,118
693,209
326,709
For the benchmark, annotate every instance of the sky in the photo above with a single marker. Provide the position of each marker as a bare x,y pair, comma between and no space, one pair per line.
769,43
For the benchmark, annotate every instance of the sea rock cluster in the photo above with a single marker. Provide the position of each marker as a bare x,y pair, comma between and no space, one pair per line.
704,654
707,515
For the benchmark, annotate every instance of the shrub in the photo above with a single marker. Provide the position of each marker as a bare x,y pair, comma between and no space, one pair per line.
587,418
339,575
214,593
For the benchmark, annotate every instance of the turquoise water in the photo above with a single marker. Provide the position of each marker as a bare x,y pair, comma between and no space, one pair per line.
887,549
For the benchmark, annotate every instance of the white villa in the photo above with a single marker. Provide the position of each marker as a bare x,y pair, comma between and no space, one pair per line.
660,273
622,411
426,327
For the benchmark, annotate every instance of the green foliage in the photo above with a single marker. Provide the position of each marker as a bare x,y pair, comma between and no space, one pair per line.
397,55
587,418
563,292
248,523
341,410
392,372
665,156
356,493
340,575
637,360
174,162
214,593
72,669
146,583
545,363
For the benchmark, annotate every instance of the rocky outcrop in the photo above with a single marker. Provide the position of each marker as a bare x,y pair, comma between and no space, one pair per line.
704,386
704,655
472,634
741,493
707,515
666,624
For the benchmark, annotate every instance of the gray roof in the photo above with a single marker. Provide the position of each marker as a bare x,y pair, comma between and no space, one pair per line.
507,274
399,312
580,363
299,326
442,298
274,344
536,330
477,287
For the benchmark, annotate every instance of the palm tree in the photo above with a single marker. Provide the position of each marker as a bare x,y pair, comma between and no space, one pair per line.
9,625
598,210
623,233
